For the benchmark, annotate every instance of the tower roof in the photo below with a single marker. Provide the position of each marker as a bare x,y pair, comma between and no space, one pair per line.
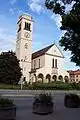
25,16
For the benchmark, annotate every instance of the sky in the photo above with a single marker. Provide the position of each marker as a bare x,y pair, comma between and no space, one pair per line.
46,28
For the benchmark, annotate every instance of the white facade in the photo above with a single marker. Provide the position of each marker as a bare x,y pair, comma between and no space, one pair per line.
46,68
45,65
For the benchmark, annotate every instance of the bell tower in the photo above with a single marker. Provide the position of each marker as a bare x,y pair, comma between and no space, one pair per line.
24,43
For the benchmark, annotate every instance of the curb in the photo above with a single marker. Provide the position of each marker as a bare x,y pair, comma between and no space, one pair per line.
10,95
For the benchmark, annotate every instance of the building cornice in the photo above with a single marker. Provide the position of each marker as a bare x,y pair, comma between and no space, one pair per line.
25,19
54,55
24,39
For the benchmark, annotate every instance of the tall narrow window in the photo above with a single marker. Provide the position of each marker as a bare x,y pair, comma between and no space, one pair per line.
19,27
34,64
53,63
27,26
39,63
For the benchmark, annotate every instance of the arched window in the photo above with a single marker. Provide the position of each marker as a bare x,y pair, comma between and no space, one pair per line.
48,77
66,79
60,77
54,77
40,76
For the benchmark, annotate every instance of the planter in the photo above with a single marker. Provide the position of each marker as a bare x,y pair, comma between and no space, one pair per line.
43,104
72,101
42,109
7,113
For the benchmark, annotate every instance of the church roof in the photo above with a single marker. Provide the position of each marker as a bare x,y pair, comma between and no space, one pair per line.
41,52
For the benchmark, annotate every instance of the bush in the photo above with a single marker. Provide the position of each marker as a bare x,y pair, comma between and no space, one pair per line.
6,102
52,86
5,86
75,86
44,99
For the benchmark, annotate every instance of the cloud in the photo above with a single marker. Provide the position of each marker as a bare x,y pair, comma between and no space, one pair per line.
13,10
7,34
7,41
36,1
62,33
69,6
13,1
35,6
68,64
61,2
57,19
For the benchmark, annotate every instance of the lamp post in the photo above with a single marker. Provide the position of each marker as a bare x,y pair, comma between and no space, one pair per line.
22,74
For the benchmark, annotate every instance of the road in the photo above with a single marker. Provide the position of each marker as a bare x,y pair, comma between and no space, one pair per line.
24,107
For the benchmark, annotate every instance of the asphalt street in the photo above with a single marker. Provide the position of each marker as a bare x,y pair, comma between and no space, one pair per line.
24,107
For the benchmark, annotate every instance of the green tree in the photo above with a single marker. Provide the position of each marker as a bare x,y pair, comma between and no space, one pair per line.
71,23
10,71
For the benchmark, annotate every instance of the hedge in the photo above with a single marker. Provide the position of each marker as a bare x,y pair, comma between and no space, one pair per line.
46,86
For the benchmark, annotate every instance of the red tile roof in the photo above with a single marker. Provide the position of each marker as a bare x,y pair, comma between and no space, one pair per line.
76,72
41,52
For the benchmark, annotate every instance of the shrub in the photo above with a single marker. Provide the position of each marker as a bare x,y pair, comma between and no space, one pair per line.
6,102
44,99
75,86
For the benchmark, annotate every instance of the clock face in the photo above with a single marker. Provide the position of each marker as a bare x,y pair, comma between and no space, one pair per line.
27,35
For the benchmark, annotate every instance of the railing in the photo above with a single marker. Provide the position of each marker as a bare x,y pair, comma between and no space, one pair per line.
33,71
54,70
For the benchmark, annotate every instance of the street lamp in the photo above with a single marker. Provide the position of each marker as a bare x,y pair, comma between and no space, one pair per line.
22,74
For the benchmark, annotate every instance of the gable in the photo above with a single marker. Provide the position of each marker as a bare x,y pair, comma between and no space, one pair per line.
55,51
41,52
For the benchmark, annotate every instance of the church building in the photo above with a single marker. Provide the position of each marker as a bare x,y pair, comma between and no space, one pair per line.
45,65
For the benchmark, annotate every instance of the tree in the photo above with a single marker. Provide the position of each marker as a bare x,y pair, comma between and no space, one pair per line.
71,23
10,71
